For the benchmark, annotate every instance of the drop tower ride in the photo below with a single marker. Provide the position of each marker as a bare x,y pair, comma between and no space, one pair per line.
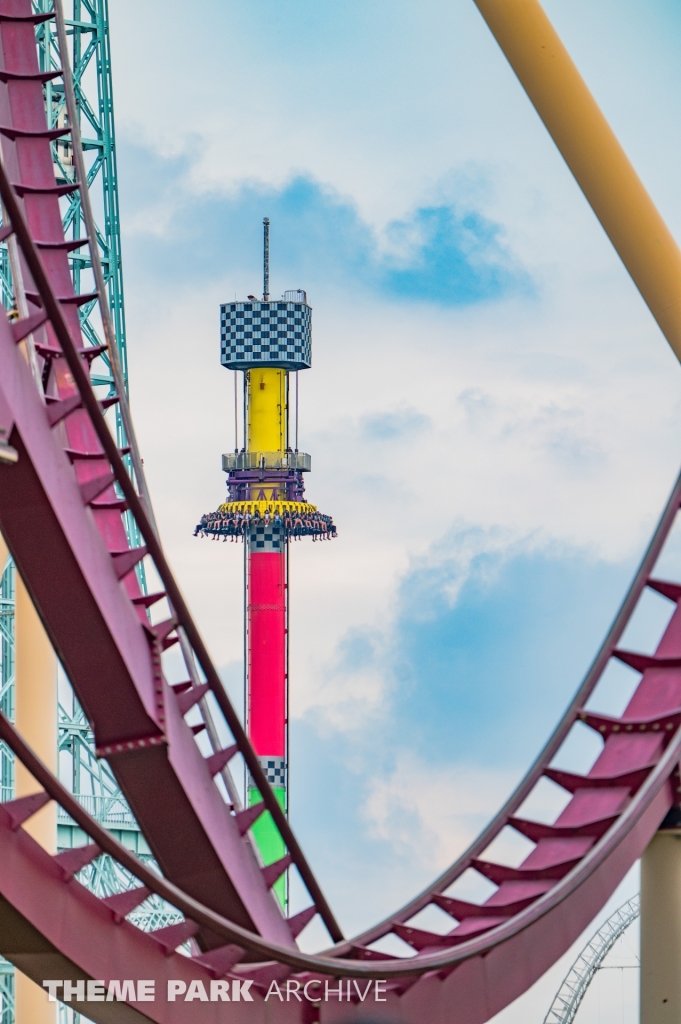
267,341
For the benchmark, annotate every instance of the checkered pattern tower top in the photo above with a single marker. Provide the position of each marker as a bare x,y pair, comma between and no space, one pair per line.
275,333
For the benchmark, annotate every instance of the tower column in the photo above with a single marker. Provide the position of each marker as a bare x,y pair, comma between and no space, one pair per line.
266,601
661,929
266,339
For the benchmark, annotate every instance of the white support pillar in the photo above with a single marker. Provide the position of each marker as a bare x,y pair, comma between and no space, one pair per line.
661,929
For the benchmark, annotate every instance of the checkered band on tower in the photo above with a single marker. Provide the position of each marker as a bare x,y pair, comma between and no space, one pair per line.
267,539
274,769
265,334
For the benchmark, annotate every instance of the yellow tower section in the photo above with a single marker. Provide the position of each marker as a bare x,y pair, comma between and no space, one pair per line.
267,409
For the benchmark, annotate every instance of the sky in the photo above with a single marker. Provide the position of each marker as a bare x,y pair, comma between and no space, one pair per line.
491,410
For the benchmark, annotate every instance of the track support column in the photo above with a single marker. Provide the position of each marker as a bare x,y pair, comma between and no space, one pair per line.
661,929
593,154
36,720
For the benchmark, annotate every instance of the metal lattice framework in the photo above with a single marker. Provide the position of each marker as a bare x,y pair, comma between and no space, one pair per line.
582,972
94,786
90,58
6,993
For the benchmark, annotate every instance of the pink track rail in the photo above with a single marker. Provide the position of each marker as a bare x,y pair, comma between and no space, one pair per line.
61,511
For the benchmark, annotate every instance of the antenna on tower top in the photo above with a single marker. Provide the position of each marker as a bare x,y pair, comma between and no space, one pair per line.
266,260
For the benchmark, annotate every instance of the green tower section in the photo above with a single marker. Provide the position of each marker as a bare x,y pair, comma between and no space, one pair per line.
268,839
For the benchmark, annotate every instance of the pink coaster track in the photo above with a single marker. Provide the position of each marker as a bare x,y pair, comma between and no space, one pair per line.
61,509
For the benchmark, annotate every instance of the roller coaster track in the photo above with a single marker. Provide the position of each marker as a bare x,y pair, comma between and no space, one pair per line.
590,960
61,508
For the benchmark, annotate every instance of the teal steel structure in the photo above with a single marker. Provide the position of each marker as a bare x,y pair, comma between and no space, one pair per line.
87,27
90,58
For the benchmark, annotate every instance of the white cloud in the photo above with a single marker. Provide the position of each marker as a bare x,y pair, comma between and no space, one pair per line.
430,815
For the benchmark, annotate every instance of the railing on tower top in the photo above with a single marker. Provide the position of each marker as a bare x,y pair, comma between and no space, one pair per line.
234,461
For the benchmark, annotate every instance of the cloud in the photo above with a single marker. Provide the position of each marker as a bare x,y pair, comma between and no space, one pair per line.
443,254
351,693
431,815
464,556
452,259
393,426
477,655
490,639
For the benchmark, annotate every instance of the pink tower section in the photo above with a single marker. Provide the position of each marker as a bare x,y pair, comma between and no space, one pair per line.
267,652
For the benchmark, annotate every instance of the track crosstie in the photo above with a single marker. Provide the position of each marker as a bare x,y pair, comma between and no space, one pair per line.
61,509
